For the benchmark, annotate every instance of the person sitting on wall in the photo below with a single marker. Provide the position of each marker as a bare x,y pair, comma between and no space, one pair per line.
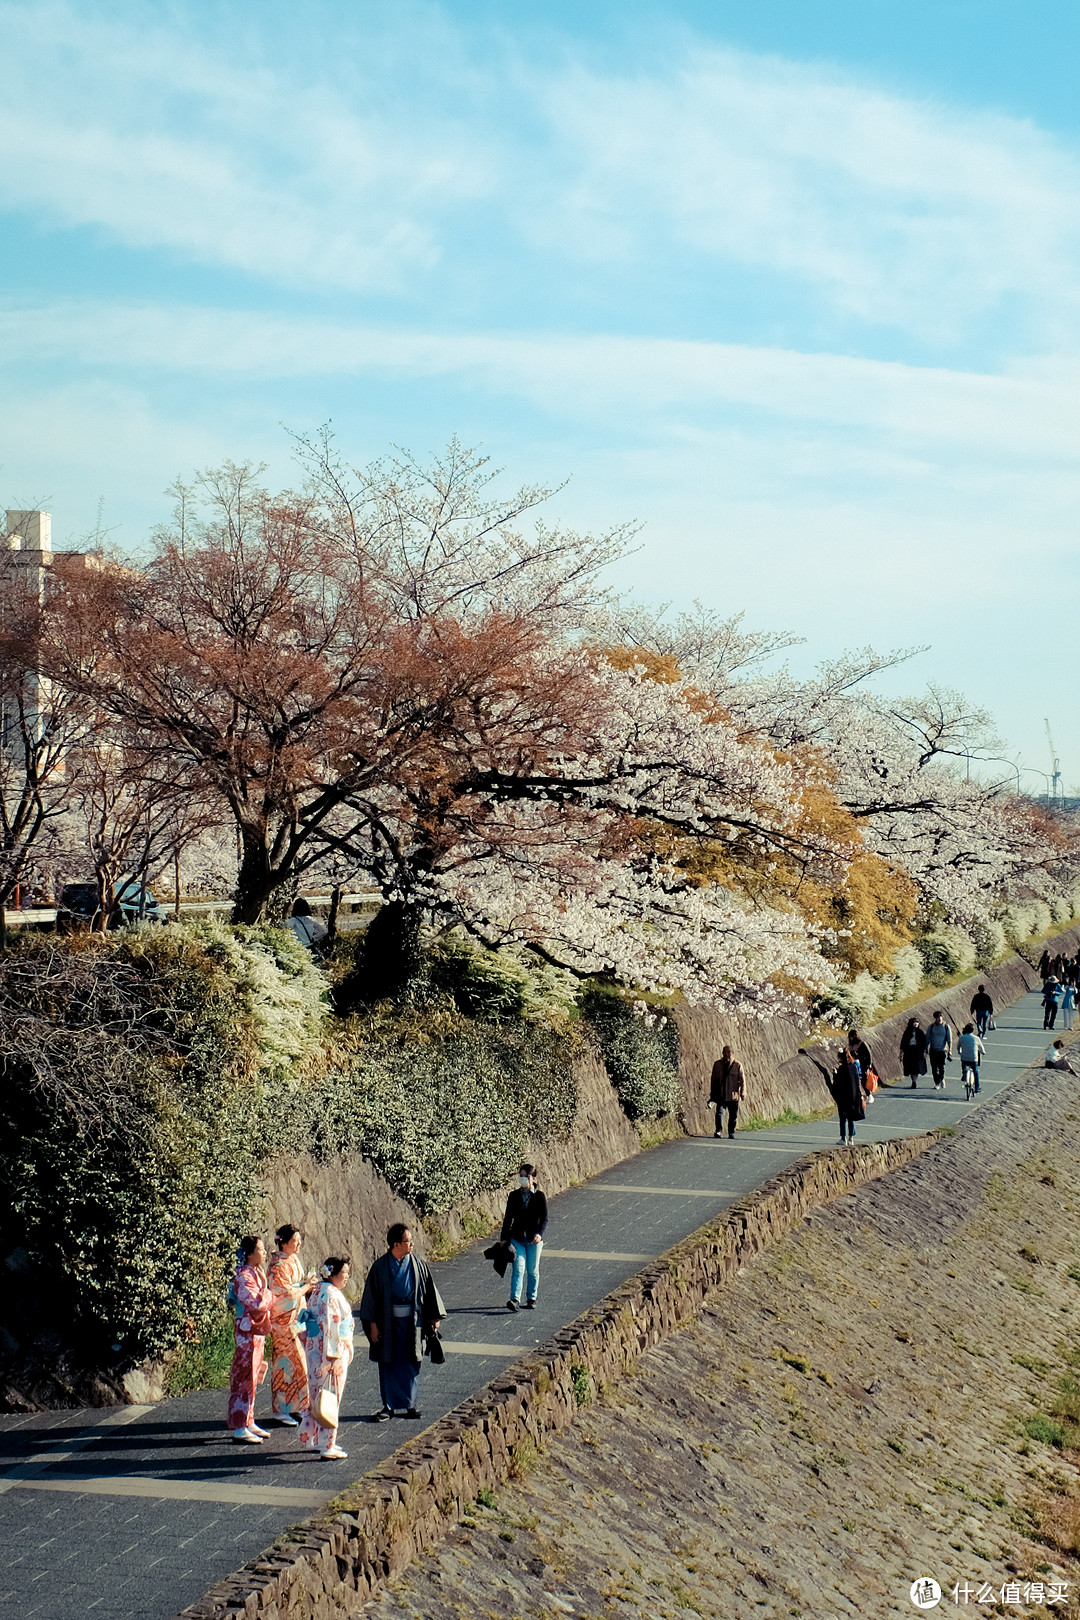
1056,1059
308,929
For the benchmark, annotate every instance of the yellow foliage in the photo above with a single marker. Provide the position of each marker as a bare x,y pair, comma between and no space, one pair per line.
820,868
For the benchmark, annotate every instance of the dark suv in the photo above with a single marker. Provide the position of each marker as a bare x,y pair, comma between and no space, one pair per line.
78,907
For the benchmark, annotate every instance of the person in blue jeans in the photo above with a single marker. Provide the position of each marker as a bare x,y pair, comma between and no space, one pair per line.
523,1228
972,1051
939,1048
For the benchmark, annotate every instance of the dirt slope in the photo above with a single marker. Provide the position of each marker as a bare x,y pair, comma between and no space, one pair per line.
862,1407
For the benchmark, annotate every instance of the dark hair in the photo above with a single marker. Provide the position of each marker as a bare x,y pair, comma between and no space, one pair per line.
938,1013
968,1028
300,907
853,1035
334,1263
248,1245
526,1169
286,1233
395,1234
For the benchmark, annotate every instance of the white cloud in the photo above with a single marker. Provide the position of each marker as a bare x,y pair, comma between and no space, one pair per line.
367,170
141,130
624,382
899,212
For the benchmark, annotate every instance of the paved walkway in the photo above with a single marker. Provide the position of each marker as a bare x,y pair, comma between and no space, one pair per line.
136,1513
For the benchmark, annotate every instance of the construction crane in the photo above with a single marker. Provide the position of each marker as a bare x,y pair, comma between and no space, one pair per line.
1055,765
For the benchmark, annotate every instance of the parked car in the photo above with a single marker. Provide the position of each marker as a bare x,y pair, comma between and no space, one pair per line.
78,906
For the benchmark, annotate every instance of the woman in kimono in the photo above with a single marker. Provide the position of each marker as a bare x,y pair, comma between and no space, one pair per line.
250,1297
288,1365
328,1322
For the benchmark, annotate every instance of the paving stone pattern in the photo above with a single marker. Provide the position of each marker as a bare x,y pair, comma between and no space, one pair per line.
70,1551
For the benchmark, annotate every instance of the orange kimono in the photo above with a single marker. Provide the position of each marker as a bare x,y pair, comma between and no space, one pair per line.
288,1364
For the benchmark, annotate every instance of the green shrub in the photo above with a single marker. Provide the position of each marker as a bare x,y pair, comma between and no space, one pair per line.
146,1076
988,937
640,1049
443,1106
499,986
946,952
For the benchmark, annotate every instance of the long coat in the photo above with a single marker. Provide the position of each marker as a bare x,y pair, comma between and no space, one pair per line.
727,1084
913,1051
376,1305
847,1090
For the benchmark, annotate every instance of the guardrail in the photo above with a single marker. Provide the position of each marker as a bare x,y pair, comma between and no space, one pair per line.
45,916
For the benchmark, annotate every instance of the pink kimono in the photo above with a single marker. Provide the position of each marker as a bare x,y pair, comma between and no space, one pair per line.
251,1301
328,1319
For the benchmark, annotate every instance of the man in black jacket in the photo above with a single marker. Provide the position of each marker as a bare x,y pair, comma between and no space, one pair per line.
981,1009
523,1228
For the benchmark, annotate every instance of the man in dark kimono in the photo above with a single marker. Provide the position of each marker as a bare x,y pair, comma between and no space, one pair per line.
400,1307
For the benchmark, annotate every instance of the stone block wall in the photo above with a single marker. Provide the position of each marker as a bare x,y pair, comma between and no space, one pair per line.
782,1073
337,1561
344,1205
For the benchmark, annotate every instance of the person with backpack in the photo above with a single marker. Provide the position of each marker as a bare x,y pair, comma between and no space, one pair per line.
972,1051
308,929
982,1010
939,1048
1051,997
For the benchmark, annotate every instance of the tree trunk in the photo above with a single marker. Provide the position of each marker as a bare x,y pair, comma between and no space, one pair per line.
254,881
331,921
390,958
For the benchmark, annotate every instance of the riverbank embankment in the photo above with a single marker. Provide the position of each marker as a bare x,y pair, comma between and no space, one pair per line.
890,1392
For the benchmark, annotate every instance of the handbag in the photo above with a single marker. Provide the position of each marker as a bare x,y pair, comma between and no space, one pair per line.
324,1409
433,1347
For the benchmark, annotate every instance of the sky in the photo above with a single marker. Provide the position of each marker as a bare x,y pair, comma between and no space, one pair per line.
792,284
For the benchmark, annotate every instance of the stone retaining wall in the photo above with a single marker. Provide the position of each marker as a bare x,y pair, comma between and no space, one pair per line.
781,1073
344,1206
338,1560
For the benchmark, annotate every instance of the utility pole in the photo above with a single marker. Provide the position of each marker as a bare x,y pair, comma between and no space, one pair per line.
1055,765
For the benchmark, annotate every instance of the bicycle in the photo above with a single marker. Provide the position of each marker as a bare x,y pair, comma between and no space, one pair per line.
971,1080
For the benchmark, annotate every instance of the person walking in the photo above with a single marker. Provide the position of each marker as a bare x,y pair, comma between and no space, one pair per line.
981,1009
523,1228
250,1298
327,1320
401,1306
1051,1001
939,1048
727,1090
1068,1005
1044,964
848,1092
972,1051
913,1051
289,1287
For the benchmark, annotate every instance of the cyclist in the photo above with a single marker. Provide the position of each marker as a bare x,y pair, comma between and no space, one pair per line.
972,1051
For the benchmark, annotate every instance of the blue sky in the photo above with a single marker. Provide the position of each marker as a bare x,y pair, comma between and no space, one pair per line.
793,284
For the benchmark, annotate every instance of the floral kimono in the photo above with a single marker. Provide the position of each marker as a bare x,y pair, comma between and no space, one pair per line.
250,1298
328,1321
288,1368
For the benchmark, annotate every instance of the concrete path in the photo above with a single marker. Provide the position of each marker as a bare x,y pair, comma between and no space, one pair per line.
135,1513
